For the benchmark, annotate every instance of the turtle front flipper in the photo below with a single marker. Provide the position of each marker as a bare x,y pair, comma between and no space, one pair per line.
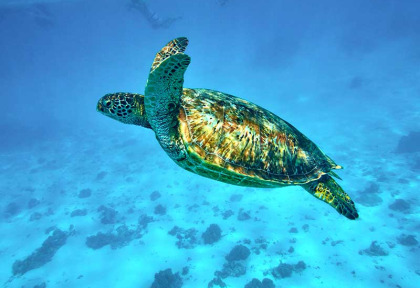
162,102
175,46
327,190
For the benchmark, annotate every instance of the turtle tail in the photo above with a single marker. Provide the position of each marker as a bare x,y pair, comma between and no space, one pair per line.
327,190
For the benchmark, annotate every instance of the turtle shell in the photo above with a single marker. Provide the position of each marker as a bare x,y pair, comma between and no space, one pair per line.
235,141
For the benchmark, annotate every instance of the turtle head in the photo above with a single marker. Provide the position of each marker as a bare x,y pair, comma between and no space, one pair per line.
127,108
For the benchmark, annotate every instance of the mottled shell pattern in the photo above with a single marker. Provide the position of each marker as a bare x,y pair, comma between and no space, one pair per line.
235,141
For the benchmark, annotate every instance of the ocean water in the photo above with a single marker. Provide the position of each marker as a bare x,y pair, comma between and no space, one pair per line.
87,201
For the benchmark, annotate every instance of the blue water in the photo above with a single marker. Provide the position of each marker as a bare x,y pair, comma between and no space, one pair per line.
87,201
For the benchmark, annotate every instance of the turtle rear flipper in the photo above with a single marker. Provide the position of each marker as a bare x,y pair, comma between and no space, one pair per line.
327,190
162,102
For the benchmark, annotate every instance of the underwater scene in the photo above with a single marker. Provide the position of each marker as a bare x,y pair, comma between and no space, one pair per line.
281,148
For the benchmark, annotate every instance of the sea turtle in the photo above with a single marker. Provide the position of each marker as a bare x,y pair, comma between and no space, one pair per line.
224,137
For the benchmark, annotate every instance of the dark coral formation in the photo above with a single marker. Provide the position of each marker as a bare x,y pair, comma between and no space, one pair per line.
407,240
265,283
155,195
285,270
42,255
35,216
232,269
369,196
260,244
369,200
121,237
185,271
109,215
187,239
33,202
235,265
166,279
101,175
374,250
227,214
194,208
372,188
254,283
235,197
400,205
216,283
160,210
409,143
212,234
78,212
144,220
11,209
85,193
244,215
239,252
293,230
299,267
336,242
100,240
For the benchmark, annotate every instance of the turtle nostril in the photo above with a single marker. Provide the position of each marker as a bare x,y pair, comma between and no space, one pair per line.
100,107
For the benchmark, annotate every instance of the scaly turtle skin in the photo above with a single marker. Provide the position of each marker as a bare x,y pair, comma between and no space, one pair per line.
223,137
